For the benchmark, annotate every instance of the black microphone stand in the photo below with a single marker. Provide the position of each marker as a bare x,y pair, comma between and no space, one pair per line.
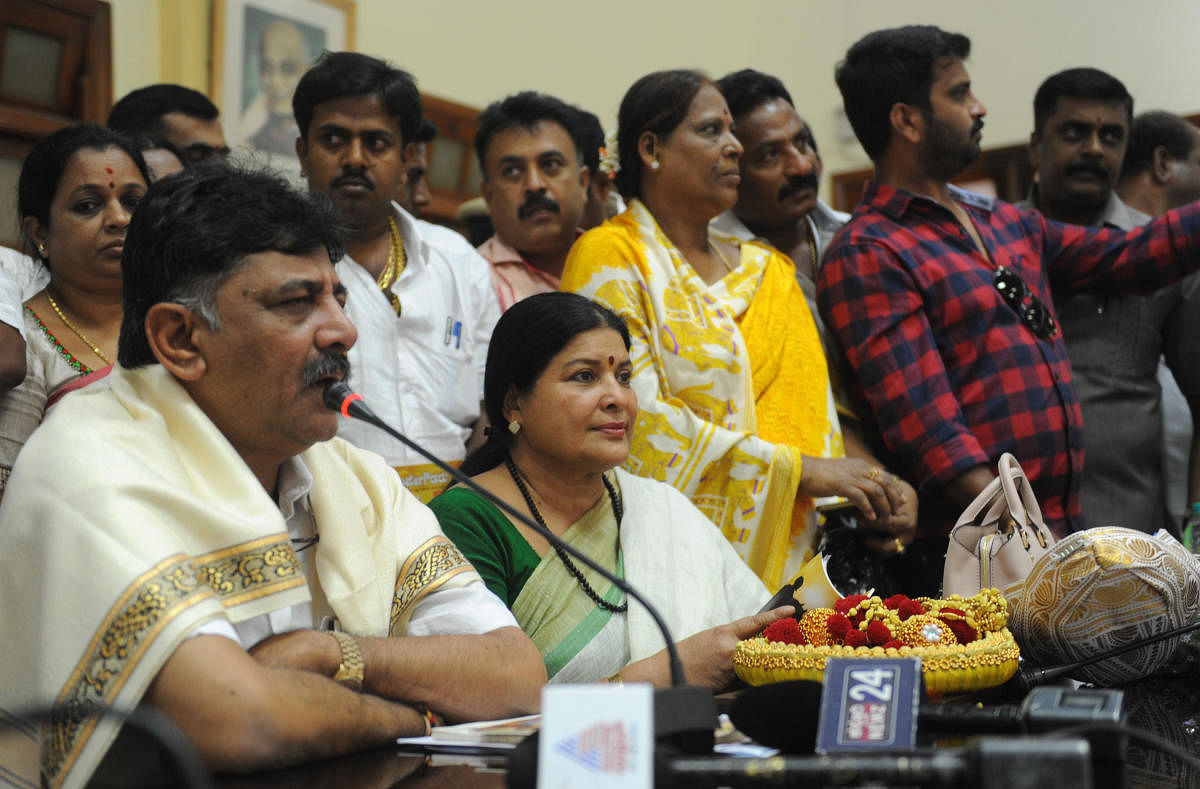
1028,678
684,715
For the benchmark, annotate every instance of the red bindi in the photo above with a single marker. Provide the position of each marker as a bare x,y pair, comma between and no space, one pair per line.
108,170
611,361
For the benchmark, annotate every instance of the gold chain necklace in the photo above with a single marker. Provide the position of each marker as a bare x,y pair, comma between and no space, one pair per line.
396,263
716,248
57,311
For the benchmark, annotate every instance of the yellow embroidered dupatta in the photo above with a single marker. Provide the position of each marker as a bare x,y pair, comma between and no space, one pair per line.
703,356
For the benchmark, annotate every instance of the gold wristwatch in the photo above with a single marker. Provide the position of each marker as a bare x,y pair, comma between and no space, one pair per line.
350,672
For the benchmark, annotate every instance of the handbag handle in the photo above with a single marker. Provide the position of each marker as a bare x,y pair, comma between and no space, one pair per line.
1021,501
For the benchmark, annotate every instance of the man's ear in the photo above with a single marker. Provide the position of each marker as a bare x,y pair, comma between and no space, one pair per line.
301,153
908,122
1160,166
170,332
585,176
1034,141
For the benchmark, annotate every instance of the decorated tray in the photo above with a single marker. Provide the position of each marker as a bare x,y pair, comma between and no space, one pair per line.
963,644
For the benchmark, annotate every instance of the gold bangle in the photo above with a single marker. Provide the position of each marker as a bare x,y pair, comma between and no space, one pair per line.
350,673
615,679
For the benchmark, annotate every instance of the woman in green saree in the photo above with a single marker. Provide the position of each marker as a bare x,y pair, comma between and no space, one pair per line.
557,393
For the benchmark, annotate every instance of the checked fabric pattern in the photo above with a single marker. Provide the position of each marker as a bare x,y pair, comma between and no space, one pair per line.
951,374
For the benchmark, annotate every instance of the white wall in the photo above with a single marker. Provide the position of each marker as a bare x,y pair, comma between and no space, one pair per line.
475,51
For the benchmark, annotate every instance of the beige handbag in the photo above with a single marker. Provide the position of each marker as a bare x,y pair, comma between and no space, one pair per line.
999,536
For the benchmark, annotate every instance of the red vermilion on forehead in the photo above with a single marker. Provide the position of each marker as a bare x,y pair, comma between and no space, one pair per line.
108,170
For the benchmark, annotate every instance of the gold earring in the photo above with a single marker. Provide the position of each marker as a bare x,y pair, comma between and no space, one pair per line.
42,250
514,427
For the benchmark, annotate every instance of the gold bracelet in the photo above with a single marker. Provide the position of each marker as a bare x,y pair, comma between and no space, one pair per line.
615,679
350,672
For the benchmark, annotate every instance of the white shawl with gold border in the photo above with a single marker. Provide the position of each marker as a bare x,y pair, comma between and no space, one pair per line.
130,519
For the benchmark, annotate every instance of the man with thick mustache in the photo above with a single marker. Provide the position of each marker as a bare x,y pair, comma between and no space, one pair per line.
424,310
781,173
941,297
211,549
535,186
1082,119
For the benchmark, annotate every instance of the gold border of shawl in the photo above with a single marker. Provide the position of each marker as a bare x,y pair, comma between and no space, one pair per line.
435,561
234,575
250,570
147,606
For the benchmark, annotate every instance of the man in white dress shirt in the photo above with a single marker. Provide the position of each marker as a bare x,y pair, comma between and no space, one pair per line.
424,312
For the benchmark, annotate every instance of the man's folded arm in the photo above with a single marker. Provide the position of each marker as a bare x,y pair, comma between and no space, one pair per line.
242,715
498,674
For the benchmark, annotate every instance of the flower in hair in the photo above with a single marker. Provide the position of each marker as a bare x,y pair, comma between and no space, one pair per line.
610,157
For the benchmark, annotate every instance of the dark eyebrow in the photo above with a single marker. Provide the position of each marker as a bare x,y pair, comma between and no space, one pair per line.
597,362
309,286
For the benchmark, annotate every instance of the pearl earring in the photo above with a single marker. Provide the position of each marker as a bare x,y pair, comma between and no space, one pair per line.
514,427
654,165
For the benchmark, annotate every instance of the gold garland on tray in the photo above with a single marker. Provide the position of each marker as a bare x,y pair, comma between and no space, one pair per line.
963,644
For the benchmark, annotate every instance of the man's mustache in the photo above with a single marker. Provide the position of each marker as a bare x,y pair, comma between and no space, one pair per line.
798,183
353,179
977,127
325,366
1088,166
536,201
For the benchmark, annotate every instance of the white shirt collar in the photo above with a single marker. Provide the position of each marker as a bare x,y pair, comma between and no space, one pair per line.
294,484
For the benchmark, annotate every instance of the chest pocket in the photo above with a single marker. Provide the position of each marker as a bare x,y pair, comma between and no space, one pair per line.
437,358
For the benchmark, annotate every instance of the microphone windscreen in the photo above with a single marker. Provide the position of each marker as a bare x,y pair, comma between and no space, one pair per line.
335,394
781,715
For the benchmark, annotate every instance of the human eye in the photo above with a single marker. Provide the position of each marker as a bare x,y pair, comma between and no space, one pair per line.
625,377
1112,136
511,172
1072,132
130,201
377,142
552,166
331,138
86,205
584,376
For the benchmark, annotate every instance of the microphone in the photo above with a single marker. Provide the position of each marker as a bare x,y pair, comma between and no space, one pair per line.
684,715
1029,676
987,763
784,715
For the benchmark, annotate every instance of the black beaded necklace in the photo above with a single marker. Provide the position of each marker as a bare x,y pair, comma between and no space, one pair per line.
618,511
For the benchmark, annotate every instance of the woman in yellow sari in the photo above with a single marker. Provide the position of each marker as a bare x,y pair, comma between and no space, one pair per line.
737,410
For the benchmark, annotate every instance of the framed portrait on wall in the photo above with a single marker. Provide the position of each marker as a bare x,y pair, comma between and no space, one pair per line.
261,48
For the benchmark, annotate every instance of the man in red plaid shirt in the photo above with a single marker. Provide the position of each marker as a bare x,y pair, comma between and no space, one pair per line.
941,298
